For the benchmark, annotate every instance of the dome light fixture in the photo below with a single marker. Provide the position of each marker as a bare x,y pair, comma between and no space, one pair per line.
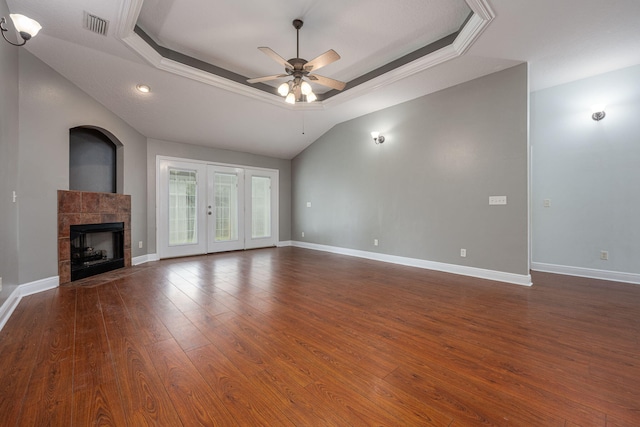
142,88
26,27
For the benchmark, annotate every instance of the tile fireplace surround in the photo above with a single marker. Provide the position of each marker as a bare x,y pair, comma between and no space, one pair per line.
83,207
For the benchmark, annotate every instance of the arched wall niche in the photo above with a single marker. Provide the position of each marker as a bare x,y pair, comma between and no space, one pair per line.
95,160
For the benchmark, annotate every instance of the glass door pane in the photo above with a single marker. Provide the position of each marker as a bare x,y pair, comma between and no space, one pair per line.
260,207
183,207
226,206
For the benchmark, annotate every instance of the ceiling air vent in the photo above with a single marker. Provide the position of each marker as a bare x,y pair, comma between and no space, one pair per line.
96,24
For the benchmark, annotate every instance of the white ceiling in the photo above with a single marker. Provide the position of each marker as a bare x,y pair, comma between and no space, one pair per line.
562,41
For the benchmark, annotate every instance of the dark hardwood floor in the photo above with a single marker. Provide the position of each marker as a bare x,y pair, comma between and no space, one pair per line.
294,337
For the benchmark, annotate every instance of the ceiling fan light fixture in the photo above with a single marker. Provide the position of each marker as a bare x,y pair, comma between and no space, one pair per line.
298,69
291,98
305,88
283,89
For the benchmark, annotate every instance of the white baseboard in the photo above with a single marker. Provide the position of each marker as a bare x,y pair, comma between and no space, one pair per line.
8,306
24,290
144,258
39,286
500,276
591,273
284,243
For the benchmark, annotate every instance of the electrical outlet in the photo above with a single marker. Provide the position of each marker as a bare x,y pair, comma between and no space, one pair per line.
140,244
546,203
303,234
375,242
308,204
604,255
463,253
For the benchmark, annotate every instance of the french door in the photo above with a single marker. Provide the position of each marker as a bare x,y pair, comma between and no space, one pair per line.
182,228
213,208
225,212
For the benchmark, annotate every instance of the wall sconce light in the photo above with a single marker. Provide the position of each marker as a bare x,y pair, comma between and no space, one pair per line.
598,112
26,27
377,138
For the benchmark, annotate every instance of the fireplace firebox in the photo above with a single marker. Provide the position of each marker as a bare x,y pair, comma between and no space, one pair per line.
96,248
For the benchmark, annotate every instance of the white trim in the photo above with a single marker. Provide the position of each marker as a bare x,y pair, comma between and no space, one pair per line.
144,259
616,276
128,17
444,54
39,286
285,243
500,276
7,308
482,9
205,162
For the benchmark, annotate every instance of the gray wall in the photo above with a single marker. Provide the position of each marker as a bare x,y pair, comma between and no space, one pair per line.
8,164
49,106
590,171
424,192
195,152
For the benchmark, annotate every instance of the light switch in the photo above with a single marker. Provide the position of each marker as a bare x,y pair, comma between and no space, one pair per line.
308,204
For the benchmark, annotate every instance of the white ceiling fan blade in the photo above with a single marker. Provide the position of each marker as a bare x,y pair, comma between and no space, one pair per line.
267,78
326,81
279,59
323,60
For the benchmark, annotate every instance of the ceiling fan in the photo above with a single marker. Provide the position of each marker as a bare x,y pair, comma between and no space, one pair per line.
298,69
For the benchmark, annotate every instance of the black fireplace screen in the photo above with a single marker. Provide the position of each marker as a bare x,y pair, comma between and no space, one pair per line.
96,248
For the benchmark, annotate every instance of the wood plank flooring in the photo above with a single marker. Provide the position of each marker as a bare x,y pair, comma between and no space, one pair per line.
294,337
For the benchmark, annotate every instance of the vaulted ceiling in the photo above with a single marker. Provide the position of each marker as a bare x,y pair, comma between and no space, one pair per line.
197,54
